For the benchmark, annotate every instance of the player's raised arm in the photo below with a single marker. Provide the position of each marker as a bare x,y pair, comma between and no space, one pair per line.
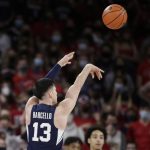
53,73
61,63
67,105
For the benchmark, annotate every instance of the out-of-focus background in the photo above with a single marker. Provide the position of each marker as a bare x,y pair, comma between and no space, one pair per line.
35,34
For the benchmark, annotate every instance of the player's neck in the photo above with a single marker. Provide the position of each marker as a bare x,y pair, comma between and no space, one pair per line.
94,148
46,100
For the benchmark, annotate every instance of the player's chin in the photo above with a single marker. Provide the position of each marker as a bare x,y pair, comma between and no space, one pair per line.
98,146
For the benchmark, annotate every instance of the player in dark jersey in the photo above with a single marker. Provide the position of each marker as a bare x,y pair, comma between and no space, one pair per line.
45,119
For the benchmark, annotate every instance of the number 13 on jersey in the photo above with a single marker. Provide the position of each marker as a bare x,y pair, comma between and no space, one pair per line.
46,132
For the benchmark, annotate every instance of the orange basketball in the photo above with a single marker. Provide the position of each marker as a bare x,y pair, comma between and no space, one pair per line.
114,16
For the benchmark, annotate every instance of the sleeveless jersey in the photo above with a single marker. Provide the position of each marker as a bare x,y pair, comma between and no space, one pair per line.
41,132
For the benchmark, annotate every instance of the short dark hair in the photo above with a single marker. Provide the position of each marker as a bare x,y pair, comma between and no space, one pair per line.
71,140
41,86
93,128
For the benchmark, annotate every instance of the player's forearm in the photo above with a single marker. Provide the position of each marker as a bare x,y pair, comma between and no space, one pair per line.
74,90
54,71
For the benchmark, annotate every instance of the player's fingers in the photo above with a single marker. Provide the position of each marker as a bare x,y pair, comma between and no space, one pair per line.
101,75
69,62
97,74
70,55
92,74
101,70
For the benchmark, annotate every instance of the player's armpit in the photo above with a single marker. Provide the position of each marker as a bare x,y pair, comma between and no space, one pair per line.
66,106
32,101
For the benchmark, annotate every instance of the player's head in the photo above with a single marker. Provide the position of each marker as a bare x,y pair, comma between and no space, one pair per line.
45,87
73,143
95,137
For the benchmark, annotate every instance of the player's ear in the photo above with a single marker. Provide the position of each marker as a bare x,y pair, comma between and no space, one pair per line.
89,140
50,93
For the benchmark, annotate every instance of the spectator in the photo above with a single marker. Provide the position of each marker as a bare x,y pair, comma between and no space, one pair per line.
73,130
84,117
2,141
22,78
118,79
5,42
144,92
95,138
131,145
143,70
142,135
115,137
72,143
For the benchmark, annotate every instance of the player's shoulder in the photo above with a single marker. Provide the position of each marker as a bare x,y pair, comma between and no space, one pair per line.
32,101
33,98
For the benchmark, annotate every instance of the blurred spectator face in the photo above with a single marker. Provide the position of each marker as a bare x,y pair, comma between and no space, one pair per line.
111,119
96,140
72,143
19,22
82,45
111,129
5,89
131,115
74,146
108,108
2,144
38,62
131,146
4,119
22,66
2,141
119,86
145,114
83,61
4,122
56,37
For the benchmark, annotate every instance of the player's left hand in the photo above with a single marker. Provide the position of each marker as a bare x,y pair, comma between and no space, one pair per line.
66,59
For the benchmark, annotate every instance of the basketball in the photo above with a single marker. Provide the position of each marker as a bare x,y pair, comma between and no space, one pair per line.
114,16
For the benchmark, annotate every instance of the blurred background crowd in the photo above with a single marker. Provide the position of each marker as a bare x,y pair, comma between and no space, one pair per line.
35,34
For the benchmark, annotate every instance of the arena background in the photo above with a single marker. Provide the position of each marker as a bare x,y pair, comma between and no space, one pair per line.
35,34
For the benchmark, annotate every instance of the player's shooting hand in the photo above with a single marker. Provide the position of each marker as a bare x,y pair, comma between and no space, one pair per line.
66,59
96,71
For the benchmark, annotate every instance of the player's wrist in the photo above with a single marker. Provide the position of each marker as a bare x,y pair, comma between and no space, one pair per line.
88,66
59,64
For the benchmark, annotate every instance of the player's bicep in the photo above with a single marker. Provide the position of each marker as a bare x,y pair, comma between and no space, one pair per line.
73,92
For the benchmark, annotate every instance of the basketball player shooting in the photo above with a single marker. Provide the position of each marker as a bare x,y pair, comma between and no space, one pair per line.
45,119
